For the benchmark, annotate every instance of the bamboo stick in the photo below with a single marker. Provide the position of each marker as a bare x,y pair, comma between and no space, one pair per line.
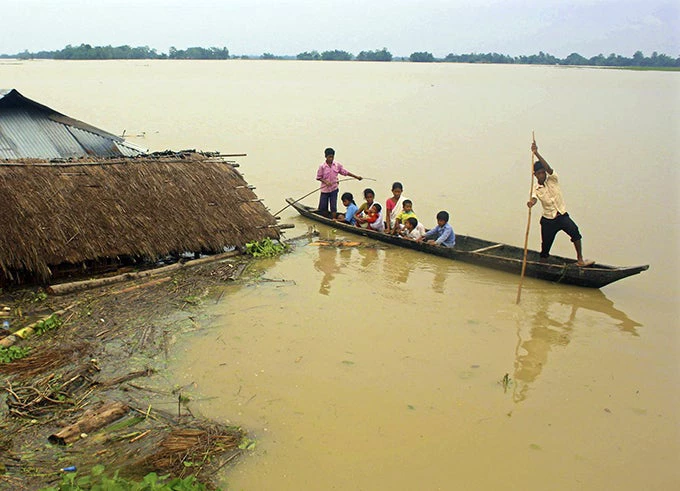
28,330
75,286
526,235
280,226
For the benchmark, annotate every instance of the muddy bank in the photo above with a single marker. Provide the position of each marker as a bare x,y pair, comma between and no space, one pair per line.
109,346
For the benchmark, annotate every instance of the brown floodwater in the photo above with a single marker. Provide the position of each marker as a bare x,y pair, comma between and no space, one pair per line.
374,367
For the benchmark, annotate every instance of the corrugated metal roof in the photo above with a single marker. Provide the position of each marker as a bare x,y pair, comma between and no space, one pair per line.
30,130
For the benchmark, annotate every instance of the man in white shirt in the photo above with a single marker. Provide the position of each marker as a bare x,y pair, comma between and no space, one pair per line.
555,216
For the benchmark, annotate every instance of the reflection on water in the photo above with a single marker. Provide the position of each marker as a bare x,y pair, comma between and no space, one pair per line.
376,378
326,262
369,256
439,280
399,269
552,328
333,257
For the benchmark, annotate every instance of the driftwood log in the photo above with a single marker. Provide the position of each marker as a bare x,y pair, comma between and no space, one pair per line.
76,286
142,285
147,372
91,420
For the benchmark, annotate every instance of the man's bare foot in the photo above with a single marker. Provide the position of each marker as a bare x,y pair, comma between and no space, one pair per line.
583,263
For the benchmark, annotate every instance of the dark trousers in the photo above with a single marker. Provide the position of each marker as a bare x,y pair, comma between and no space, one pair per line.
549,229
326,200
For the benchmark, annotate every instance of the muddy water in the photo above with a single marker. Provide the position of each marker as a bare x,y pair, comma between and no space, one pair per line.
373,368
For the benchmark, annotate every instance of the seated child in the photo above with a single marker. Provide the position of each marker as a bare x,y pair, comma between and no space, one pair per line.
374,219
414,230
392,205
361,214
442,234
348,216
406,212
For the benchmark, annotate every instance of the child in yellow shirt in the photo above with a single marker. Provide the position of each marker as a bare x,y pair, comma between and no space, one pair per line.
406,212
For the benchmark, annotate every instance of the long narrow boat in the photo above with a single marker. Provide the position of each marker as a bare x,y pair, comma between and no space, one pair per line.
494,255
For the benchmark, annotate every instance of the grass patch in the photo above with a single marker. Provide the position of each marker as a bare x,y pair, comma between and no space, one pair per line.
8,355
96,479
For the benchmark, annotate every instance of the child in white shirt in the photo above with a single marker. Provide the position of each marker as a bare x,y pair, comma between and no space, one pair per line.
414,230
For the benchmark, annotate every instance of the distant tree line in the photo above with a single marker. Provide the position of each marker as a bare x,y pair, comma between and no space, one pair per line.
638,59
378,55
88,52
421,57
335,55
198,54
338,55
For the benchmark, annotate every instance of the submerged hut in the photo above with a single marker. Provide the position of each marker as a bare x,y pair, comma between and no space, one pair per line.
29,130
79,212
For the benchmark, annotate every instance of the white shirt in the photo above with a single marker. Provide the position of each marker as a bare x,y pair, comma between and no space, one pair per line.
417,232
550,196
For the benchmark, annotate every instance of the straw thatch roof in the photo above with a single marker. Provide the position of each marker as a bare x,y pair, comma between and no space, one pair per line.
149,206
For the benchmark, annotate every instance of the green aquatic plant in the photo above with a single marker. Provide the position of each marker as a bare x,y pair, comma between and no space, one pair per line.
52,322
8,355
266,248
506,382
247,444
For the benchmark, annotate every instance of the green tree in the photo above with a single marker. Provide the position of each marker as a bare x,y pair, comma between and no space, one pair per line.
309,55
638,58
479,58
597,60
198,53
378,55
421,57
336,55
575,59
540,59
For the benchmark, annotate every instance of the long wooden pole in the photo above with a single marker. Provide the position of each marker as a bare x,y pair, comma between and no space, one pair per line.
314,191
526,235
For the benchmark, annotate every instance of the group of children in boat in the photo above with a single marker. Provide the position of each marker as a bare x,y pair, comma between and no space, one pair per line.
397,218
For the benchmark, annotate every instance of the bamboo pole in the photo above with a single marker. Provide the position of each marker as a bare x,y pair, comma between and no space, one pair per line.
29,330
314,191
76,286
526,235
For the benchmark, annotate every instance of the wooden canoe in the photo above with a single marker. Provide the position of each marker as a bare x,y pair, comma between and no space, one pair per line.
495,255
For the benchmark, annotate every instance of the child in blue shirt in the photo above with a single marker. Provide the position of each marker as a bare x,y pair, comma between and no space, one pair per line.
442,234
352,208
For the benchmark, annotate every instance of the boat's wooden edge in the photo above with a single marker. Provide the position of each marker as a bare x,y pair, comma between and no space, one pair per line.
569,263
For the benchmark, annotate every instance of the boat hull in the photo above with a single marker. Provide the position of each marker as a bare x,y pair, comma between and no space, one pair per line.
495,255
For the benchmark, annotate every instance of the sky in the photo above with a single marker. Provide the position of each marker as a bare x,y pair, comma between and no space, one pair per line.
289,27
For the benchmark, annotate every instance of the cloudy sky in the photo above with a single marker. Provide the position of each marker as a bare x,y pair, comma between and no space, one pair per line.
288,27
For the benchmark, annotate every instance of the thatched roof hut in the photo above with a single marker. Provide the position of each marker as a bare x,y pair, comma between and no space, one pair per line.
149,206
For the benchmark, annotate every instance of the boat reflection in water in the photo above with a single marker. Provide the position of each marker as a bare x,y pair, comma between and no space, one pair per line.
336,255
369,256
552,326
327,263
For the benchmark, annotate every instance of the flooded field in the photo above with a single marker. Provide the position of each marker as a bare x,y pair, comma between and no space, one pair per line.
373,367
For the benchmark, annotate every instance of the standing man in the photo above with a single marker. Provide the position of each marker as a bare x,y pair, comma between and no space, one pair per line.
328,175
555,216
